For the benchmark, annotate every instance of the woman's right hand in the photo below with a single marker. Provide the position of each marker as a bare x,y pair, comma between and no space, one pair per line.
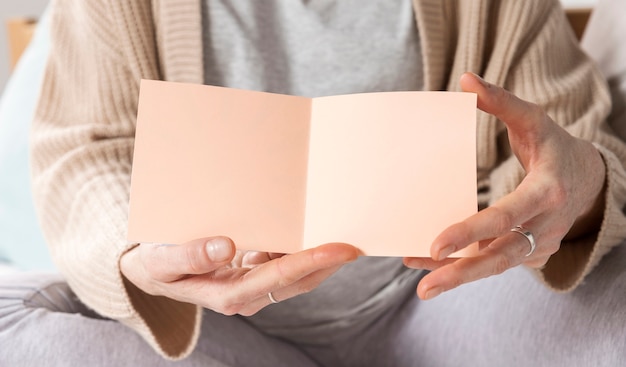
210,272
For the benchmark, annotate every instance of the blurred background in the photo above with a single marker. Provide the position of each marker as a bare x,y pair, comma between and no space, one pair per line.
10,9
34,8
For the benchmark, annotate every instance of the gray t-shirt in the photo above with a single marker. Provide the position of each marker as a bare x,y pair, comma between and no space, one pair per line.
316,48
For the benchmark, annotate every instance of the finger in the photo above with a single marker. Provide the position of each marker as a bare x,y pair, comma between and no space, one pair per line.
502,254
275,255
425,263
516,208
288,269
237,260
283,272
429,264
517,114
304,285
168,263
254,258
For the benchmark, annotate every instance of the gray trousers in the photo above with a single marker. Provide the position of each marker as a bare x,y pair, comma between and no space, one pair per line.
508,320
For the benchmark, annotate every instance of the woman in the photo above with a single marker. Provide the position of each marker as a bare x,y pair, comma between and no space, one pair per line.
547,170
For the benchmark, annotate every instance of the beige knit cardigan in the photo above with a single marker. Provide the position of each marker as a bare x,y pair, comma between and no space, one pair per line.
82,139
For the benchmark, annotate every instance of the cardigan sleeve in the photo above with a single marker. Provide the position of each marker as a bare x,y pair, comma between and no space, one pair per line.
549,68
81,157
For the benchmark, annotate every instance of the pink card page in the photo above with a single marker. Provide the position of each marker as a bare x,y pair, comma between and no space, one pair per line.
385,172
217,161
389,171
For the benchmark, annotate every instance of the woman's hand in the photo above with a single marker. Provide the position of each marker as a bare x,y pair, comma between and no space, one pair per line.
211,273
561,195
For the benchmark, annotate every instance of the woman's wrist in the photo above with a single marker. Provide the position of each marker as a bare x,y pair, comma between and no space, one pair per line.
591,220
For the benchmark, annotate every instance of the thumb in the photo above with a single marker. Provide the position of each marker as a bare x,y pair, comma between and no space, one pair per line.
168,263
520,117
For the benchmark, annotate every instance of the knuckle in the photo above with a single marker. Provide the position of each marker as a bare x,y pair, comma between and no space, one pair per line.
463,231
229,309
151,259
456,282
500,264
555,234
557,194
535,111
248,312
532,111
148,257
502,96
503,220
193,259
552,247
153,270
456,277
285,278
306,287
505,97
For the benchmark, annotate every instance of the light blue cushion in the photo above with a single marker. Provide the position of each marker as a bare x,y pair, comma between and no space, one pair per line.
21,241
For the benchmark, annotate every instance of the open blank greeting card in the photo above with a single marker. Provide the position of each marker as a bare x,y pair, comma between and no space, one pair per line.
385,172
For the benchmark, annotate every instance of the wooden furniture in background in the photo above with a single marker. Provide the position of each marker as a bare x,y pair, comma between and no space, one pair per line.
19,31
578,19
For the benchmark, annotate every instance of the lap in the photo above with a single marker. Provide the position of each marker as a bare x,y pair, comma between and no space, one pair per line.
43,323
512,320
509,320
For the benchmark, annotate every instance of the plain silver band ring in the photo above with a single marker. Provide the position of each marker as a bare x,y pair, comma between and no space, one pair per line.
529,237
271,297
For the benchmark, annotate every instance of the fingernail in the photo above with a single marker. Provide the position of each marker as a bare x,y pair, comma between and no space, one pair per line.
218,249
414,263
445,252
433,292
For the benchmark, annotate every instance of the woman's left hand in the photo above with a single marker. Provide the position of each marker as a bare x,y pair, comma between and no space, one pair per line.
561,196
